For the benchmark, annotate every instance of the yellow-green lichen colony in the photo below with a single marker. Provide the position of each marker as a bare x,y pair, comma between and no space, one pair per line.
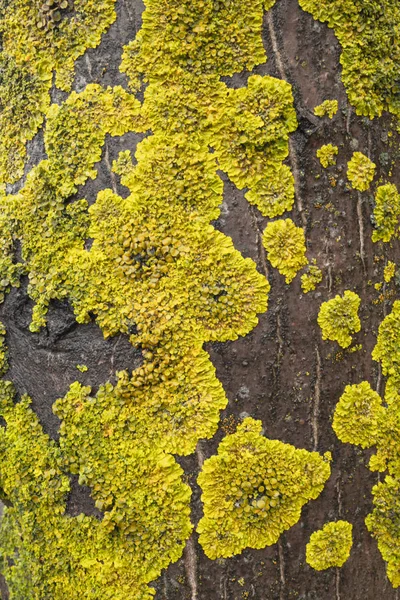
330,546
327,155
156,270
254,489
389,271
327,108
286,247
360,171
369,33
363,418
338,318
36,42
311,278
386,213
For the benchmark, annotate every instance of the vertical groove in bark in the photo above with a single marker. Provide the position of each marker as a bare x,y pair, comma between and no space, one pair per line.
292,149
361,230
348,120
200,455
190,560
112,174
281,571
337,583
260,246
317,397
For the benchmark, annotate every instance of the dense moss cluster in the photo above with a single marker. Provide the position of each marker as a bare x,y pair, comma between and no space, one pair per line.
360,171
338,318
327,155
330,546
386,213
286,247
36,42
369,34
254,489
363,418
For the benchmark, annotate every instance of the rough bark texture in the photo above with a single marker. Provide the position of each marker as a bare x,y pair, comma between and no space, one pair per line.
282,373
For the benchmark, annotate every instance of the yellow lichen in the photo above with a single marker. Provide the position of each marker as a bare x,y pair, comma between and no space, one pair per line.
368,33
311,279
360,171
338,318
328,107
254,489
285,246
389,271
327,155
386,213
34,44
330,546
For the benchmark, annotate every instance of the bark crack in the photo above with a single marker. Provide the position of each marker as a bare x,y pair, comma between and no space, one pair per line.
112,174
361,230
317,398
292,149
281,571
190,560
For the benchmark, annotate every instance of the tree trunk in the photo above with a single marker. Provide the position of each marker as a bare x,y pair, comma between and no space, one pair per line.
282,372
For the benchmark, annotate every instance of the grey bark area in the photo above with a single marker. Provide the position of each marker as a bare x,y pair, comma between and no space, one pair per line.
282,373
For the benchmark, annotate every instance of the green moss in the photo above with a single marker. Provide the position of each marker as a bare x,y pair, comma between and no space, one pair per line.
330,546
386,213
254,489
338,318
286,247
360,171
327,155
328,107
369,34
311,279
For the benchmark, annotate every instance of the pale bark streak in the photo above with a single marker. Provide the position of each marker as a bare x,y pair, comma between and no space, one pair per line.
279,338
112,174
330,278
339,494
361,230
348,120
200,455
190,560
282,595
292,150
89,65
337,583
317,398
260,245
